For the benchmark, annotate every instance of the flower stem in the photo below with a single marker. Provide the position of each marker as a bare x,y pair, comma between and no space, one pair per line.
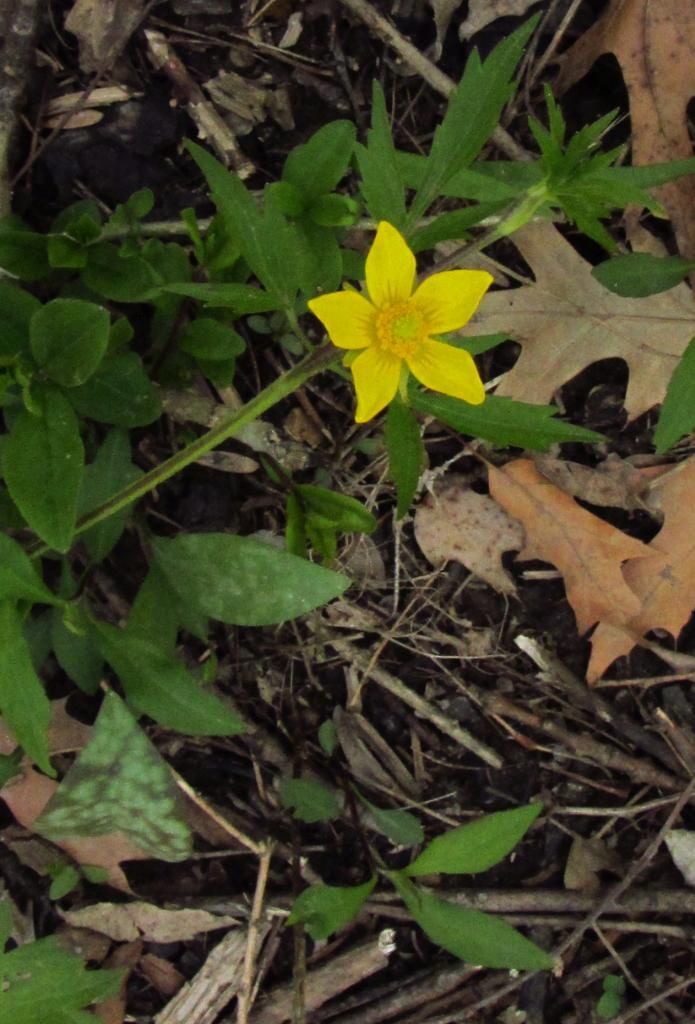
280,388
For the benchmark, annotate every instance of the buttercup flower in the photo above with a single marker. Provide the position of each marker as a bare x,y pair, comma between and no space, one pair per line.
394,326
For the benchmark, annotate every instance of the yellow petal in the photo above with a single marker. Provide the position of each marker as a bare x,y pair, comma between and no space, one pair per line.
390,267
448,370
348,318
376,375
448,300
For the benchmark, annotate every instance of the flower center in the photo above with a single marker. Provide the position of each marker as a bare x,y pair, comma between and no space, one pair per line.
400,329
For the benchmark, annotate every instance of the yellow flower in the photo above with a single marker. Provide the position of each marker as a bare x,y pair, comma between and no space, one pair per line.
394,326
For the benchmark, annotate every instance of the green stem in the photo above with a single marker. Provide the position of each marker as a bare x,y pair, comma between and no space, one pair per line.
283,386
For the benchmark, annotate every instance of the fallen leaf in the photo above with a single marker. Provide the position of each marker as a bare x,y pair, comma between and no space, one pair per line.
456,523
588,551
586,858
362,561
443,11
482,12
664,582
126,922
103,27
112,1010
65,733
681,846
654,43
567,320
162,974
614,482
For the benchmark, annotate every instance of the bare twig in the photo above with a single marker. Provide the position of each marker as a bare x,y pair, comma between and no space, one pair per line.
255,932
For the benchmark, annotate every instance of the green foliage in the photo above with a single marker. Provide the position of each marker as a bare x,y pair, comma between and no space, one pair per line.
476,846
324,909
610,1003
110,470
40,983
18,308
406,453
316,515
69,339
502,421
400,826
19,579
677,416
309,801
23,702
381,184
119,393
243,581
641,274
119,783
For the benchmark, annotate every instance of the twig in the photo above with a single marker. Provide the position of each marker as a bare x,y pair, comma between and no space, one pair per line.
218,818
420,64
253,938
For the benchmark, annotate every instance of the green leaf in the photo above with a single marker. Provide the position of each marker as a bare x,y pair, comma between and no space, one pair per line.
120,393
641,274
471,935
69,339
10,767
40,983
66,877
121,278
158,685
473,112
325,909
503,422
23,702
241,298
651,175
18,307
328,737
309,801
400,826
243,581
381,184
157,613
406,453
334,211
111,470
477,845
43,462
19,578
76,653
119,783
340,511
23,253
206,338
678,411
454,224
317,166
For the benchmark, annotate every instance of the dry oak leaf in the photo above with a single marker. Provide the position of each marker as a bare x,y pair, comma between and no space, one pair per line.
664,583
614,483
588,551
567,320
654,43
455,523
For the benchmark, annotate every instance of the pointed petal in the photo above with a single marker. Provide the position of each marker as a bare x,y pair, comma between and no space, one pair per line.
376,375
449,370
448,300
390,267
348,318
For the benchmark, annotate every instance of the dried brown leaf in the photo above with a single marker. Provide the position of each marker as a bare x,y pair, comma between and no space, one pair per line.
482,12
126,922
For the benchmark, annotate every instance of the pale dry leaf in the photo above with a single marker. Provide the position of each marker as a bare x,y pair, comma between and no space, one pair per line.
125,922
443,11
362,561
681,846
588,551
302,428
567,320
124,958
456,523
103,27
82,119
586,858
654,44
65,733
162,974
482,12
664,583
614,482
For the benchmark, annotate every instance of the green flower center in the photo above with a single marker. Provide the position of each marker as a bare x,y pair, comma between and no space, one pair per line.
400,329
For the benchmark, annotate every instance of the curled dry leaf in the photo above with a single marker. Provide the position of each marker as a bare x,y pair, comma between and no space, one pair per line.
586,858
588,551
455,523
567,320
663,583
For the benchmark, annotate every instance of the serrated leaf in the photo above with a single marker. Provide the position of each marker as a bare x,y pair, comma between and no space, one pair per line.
471,935
309,801
317,166
324,909
119,783
381,184
406,453
19,578
677,416
40,983
110,470
476,846
23,701
158,685
43,462
642,274
503,421
119,393
243,581
69,339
